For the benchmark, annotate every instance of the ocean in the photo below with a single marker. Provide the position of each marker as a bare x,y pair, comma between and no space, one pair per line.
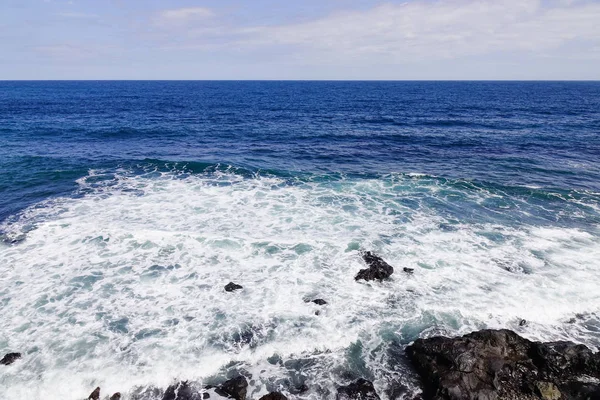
127,206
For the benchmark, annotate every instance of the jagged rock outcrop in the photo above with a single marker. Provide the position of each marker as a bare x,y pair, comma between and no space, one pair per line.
231,287
361,389
10,358
274,396
501,365
95,395
184,391
235,388
378,269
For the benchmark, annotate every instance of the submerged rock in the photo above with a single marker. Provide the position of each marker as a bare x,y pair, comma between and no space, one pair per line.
10,358
319,302
235,388
499,364
378,269
408,270
301,388
361,389
230,287
274,396
183,391
95,394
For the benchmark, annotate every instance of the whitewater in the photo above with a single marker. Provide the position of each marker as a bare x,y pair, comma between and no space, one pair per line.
120,284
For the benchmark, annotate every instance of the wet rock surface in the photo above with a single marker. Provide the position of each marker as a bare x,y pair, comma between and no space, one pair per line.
95,395
231,287
361,389
186,391
181,391
499,364
235,388
10,358
378,268
274,396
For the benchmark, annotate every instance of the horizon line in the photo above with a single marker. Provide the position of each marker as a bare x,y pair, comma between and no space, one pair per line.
299,80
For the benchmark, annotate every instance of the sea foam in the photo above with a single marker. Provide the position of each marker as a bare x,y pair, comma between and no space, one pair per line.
121,285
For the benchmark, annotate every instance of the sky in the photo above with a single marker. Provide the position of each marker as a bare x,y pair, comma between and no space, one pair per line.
301,39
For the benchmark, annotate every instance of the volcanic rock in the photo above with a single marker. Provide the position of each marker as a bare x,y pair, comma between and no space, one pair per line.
378,269
273,396
95,394
235,388
230,287
501,365
10,358
182,391
361,389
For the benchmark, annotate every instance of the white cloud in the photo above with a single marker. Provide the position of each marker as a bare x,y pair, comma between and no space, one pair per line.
184,14
424,30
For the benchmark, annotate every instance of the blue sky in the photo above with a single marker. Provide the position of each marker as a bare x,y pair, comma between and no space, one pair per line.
303,39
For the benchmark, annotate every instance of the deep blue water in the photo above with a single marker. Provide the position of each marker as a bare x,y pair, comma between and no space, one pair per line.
125,207
542,134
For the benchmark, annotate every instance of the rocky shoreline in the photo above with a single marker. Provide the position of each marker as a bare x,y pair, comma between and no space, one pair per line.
499,364
483,365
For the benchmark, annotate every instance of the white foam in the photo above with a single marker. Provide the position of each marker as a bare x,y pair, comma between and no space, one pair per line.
156,251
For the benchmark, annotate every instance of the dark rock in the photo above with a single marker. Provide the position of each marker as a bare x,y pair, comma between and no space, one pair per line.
95,394
378,269
584,390
499,364
396,390
361,389
235,388
230,287
523,322
275,359
300,388
243,336
408,270
273,396
319,302
182,391
10,358
116,396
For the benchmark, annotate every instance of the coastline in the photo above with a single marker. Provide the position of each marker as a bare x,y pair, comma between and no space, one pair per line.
486,364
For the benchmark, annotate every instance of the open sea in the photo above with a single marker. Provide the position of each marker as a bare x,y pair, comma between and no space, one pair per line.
126,207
